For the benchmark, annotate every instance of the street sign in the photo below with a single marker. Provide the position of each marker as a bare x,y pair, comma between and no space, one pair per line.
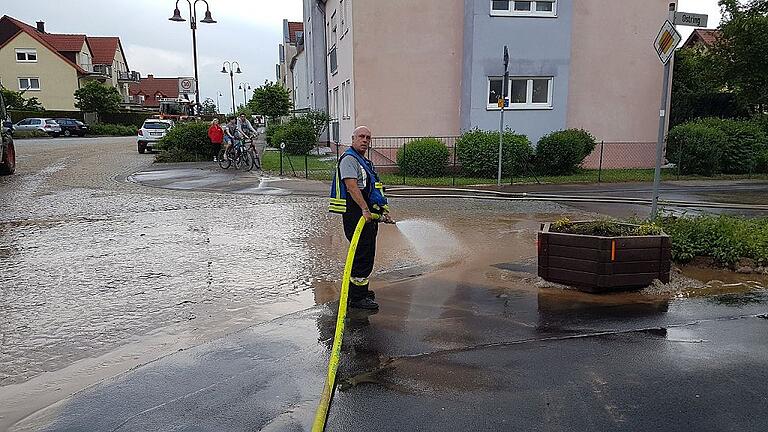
666,42
186,85
691,19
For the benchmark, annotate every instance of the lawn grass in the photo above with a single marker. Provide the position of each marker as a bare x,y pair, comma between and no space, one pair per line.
322,167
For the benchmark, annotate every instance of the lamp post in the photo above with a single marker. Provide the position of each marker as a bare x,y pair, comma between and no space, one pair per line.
231,78
218,106
193,25
242,87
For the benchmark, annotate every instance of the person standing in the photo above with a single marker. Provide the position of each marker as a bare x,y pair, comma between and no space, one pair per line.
216,135
357,192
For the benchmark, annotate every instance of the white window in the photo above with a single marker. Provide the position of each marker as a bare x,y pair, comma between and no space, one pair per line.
26,55
343,13
336,103
29,83
344,100
523,92
333,34
347,100
534,8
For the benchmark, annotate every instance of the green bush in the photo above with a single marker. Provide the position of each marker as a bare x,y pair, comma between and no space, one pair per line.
761,162
478,153
298,134
186,142
111,129
423,157
272,130
727,239
562,152
744,140
697,147
29,134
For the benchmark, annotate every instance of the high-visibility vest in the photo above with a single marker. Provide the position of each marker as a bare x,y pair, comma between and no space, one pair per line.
373,192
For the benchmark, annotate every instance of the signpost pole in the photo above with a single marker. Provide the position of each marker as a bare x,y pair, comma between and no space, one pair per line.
662,126
503,104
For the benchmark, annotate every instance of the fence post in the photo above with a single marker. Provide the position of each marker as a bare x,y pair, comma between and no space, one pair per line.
404,156
306,166
680,158
600,167
282,147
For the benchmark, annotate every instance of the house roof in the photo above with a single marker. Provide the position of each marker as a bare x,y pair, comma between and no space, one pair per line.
293,28
707,37
104,48
44,39
150,86
65,42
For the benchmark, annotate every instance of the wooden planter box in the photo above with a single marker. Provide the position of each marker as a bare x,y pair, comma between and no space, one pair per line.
600,264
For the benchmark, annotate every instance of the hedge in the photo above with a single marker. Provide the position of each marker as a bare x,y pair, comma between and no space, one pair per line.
18,115
478,153
562,152
111,130
423,157
711,146
298,134
696,147
29,134
186,142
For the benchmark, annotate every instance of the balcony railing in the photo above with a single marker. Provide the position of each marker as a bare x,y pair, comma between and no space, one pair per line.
97,69
131,76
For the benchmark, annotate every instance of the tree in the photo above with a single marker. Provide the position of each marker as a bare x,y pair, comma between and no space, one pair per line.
271,100
741,51
16,101
96,97
208,107
319,120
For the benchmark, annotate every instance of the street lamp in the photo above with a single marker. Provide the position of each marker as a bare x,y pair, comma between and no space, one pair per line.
193,25
242,87
231,78
218,106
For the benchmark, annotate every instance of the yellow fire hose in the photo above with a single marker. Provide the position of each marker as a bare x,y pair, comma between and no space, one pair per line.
321,416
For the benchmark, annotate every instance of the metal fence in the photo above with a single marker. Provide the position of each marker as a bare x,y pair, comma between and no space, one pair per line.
609,162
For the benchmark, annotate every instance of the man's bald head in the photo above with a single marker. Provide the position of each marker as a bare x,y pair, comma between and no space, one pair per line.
361,139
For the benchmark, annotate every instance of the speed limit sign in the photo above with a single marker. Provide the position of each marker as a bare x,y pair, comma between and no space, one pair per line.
186,85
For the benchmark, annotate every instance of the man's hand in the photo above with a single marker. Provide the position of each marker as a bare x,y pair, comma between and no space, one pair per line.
367,215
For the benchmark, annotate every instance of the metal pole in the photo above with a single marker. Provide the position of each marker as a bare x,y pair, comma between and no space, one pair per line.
232,84
306,166
281,158
193,25
600,168
453,176
404,160
503,107
662,126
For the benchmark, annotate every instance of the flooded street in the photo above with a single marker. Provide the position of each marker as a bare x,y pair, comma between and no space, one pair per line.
177,302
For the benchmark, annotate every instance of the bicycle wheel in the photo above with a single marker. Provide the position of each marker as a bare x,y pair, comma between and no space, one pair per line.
223,163
247,161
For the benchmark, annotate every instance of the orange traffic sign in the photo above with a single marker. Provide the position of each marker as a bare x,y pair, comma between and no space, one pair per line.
667,41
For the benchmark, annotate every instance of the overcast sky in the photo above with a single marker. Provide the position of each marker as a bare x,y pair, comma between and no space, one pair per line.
247,31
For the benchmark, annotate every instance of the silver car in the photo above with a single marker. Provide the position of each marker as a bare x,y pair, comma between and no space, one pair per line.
151,132
45,125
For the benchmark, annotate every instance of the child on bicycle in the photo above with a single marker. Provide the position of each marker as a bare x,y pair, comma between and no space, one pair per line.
231,134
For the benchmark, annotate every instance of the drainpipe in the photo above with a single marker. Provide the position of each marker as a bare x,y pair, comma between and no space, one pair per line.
321,6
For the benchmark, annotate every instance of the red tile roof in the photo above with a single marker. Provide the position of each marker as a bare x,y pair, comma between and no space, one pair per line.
293,28
8,24
65,42
103,49
150,87
708,37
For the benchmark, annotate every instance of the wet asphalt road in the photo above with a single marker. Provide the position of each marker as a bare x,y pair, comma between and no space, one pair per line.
461,342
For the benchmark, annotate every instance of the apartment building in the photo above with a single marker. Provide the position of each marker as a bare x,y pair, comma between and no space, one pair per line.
52,66
434,67
287,51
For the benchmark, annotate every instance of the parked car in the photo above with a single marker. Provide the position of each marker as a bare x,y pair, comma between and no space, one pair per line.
45,125
71,127
7,150
151,132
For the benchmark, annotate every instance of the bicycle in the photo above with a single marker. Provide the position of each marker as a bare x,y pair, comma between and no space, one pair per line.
242,153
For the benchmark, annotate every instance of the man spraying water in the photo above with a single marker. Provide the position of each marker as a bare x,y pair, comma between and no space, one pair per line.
357,192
